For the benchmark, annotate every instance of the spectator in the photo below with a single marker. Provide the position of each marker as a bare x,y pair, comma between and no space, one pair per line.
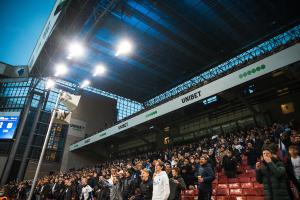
161,187
68,192
186,172
86,190
127,185
229,165
293,166
251,154
272,174
176,184
205,177
146,185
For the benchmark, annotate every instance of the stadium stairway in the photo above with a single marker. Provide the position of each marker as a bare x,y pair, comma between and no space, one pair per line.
243,187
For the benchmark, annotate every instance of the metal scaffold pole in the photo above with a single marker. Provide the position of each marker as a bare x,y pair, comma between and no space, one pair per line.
44,147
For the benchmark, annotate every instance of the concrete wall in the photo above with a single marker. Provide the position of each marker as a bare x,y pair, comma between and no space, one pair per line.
90,116
95,110
46,168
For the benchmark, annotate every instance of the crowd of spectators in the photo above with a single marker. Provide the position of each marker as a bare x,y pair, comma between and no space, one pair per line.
162,175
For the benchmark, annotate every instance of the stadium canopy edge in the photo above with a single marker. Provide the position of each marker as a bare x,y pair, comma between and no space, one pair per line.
271,63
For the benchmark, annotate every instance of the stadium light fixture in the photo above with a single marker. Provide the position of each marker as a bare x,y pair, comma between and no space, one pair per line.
76,50
99,70
85,83
60,69
49,84
124,47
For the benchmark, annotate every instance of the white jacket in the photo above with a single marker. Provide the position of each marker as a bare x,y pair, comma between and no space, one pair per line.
161,187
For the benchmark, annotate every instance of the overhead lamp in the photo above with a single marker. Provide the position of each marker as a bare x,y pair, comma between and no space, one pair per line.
124,47
85,83
99,70
76,50
60,69
49,84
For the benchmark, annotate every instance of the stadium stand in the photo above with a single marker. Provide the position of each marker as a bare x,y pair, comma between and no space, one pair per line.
125,177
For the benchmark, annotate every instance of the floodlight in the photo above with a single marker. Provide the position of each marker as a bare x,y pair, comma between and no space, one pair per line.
49,84
124,47
76,50
99,70
60,69
85,83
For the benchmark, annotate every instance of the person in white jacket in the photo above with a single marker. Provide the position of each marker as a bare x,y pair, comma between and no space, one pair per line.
161,187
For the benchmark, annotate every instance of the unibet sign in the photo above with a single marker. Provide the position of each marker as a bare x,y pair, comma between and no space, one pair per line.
191,97
252,71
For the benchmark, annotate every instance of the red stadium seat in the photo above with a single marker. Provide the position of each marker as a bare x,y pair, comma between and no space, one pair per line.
236,192
253,179
222,186
231,198
260,191
246,185
244,179
258,185
250,173
249,192
233,180
223,192
255,198
234,185
223,180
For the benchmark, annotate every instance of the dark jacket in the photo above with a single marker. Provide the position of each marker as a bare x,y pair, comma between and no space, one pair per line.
57,190
146,189
127,187
229,165
175,189
252,156
273,177
45,191
103,190
291,174
67,193
208,175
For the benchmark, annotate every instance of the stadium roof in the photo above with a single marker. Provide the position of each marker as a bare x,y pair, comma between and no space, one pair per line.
173,40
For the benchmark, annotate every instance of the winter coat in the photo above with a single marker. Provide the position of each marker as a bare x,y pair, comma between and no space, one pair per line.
229,166
273,176
208,175
146,189
252,156
175,189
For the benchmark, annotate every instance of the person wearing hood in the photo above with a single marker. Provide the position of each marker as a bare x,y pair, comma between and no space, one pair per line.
176,184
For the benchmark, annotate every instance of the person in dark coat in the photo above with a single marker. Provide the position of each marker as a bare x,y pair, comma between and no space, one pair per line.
205,176
272,174
57,189
45,190
127,186
103,192
146,185
68,192
229,165
251,154
176,184
293,166
186,173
